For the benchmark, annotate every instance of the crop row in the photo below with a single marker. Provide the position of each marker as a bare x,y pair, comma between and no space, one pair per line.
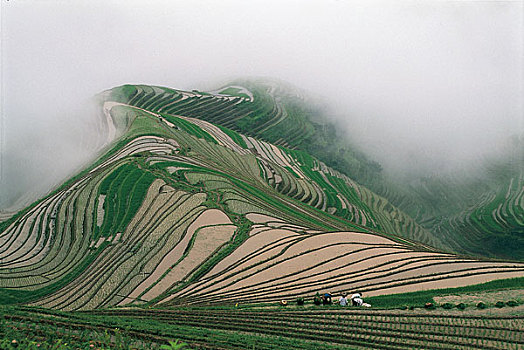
376,329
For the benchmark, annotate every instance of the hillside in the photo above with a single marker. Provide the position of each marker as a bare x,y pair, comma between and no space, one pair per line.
184,216
480,214
178,201
458,213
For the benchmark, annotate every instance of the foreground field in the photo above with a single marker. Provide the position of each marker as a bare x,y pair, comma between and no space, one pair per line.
274,327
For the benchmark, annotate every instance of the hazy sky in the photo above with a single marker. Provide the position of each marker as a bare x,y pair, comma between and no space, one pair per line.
425,82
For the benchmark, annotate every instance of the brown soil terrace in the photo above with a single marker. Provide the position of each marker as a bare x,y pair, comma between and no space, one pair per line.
297,259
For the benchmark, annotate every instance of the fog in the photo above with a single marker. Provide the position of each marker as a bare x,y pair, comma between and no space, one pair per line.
420,86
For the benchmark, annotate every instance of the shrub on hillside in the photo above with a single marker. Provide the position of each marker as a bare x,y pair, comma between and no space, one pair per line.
499,304
447,306
300,301
174,345
512,303
429,306
461,306
481,305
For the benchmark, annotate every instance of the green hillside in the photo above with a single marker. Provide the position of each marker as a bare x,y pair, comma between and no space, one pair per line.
459,213
480,214
298,136
188,228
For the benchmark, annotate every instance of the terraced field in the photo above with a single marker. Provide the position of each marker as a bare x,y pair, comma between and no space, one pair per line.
448,213
286,262
481,214
182,212
293,173
496,218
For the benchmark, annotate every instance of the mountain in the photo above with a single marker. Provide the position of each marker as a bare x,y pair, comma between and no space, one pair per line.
482,215
182,209
458,212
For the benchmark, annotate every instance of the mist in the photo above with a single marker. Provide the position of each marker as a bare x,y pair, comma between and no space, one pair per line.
419,86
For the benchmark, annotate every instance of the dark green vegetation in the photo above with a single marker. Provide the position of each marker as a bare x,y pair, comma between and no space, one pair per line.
190,128
125,189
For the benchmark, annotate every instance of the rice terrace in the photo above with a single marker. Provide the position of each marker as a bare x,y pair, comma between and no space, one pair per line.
218,220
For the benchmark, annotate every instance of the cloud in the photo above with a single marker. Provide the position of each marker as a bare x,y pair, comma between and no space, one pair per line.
426,82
